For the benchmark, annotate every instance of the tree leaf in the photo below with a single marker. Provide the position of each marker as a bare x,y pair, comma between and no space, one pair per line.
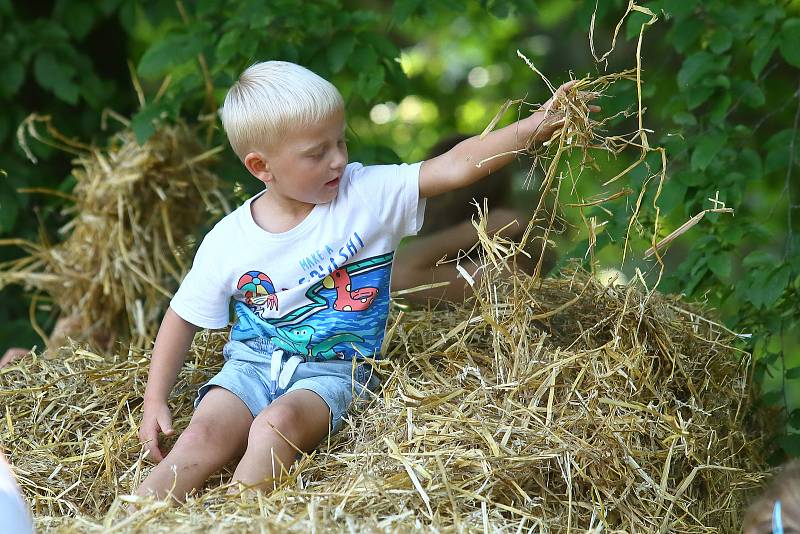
339,50
793,373
776,284
794,417
372,83
721,265
166,54
721,40
689,178
790,41
777,148
363,58
79,19
697,96
402,9
749,163
56,76
11,77
227,47
143,123
685,34
707,148
634,24
765,44
384,46
758,258
751,94
684,118
695,67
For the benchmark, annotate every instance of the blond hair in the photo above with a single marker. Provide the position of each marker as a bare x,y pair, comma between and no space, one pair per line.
784,488
271,97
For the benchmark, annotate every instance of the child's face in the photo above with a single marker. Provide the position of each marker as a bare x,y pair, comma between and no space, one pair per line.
307,165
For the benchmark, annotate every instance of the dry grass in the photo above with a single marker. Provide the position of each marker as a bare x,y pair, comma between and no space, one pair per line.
133,211
511,412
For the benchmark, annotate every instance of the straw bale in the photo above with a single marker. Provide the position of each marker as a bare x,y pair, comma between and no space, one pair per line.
537,406
126,245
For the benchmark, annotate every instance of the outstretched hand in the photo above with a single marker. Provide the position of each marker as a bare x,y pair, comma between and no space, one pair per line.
548,118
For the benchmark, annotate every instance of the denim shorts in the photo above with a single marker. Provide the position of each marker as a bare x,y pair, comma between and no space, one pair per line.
248,374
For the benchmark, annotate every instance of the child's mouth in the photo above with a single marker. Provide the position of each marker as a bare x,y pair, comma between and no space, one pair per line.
333,182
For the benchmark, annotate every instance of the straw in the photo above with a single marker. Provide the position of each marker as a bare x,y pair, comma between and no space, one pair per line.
128,239
616,410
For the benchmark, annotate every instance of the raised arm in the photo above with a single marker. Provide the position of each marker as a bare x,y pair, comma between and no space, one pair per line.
457,168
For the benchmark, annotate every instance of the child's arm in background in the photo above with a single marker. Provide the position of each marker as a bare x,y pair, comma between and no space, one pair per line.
416,263
172,342
456,168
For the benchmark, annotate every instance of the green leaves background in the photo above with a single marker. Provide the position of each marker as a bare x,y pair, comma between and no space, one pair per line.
721,83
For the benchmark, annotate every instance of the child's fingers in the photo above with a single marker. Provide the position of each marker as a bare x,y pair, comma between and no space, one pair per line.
148,436
151,445
566,86
154,452
165,423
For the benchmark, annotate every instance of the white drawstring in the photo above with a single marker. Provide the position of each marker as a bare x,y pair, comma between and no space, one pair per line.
281,373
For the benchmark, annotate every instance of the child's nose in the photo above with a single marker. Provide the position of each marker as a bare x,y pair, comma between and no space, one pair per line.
340,158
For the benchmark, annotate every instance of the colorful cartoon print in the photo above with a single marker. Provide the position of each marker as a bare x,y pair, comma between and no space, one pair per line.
258,290
335,321
297,340
348,299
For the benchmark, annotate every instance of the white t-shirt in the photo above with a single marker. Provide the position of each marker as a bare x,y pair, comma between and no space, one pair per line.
321,289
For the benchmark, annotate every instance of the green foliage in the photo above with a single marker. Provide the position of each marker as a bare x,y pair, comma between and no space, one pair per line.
734,105
720,86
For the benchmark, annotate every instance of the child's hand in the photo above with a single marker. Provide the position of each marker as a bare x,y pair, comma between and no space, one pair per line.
156,417
547,120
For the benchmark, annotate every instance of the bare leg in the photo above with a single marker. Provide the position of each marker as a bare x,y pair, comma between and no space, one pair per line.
216,434
302,417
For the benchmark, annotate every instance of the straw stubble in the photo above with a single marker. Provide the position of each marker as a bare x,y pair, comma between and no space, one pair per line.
618,410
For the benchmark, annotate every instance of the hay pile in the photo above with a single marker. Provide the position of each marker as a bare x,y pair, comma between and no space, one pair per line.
125,246
550,405
532,408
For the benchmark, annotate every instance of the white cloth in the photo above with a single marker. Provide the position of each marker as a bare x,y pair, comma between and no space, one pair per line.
321,289
14,515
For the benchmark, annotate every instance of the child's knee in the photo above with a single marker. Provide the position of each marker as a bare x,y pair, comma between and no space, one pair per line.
202,437
274,421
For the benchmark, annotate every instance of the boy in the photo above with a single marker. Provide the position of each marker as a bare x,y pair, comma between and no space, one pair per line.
307,263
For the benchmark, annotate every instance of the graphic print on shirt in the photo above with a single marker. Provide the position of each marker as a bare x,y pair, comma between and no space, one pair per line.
296,341
259,292
348,299
344,315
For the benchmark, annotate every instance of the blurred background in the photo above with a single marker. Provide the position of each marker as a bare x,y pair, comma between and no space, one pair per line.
721,88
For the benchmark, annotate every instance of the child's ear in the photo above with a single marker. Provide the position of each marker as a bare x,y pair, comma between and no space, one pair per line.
258,166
